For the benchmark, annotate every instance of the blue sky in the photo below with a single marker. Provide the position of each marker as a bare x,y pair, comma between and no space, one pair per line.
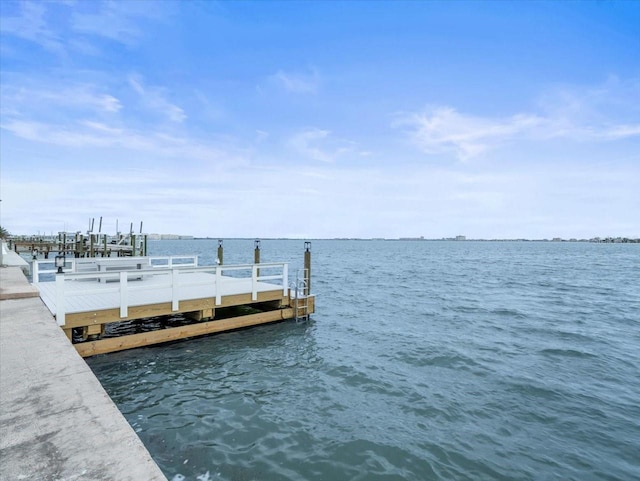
322,119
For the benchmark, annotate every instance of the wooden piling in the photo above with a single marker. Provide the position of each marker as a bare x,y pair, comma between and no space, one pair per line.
307,267
220,252
256,253
80,250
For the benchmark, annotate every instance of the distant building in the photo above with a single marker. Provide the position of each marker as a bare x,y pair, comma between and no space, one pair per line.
461,237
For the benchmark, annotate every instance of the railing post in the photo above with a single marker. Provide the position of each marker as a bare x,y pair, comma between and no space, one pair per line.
285,279
124,295
35,273
60,307
218,285
254,282
175,300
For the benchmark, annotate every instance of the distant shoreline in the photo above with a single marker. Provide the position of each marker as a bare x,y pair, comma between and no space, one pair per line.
172,237
604,240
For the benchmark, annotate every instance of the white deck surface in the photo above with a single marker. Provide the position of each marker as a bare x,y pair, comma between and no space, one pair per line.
91,295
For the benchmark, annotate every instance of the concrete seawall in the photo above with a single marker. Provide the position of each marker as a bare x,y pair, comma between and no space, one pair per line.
56,420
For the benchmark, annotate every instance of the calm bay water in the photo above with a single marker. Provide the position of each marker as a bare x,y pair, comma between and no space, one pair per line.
424,361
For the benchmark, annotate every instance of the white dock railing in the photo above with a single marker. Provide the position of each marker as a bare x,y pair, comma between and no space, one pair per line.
157,284
41,269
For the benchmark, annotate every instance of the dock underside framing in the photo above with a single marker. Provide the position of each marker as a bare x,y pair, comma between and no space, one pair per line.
202,311
97,293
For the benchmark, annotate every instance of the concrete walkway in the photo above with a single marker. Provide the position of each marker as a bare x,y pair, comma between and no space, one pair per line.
14,285
8,258
56,420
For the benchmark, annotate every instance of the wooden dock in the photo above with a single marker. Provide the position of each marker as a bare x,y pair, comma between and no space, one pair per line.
91,293
78,245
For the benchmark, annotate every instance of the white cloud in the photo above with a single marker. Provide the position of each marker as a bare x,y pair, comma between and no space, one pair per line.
25,98
532,201
121,22
320,145
70,28
261,136
606,113
296,82
31,25
622,131
154,98
444,129
89,133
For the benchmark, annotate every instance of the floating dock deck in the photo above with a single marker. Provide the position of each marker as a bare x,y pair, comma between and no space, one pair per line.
91,293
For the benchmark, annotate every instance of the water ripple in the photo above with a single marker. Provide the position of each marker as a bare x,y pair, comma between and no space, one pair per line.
425,361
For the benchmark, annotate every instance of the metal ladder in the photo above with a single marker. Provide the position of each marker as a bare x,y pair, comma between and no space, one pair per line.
301,300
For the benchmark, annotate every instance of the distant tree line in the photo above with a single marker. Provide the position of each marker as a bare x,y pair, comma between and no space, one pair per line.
619,240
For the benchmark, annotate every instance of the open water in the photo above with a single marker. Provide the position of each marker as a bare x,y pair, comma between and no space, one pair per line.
424,361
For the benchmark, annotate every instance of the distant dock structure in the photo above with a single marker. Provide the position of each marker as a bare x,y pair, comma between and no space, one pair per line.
81,245
88,294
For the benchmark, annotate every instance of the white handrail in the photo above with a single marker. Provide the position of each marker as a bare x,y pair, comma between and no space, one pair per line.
174,282
74,265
